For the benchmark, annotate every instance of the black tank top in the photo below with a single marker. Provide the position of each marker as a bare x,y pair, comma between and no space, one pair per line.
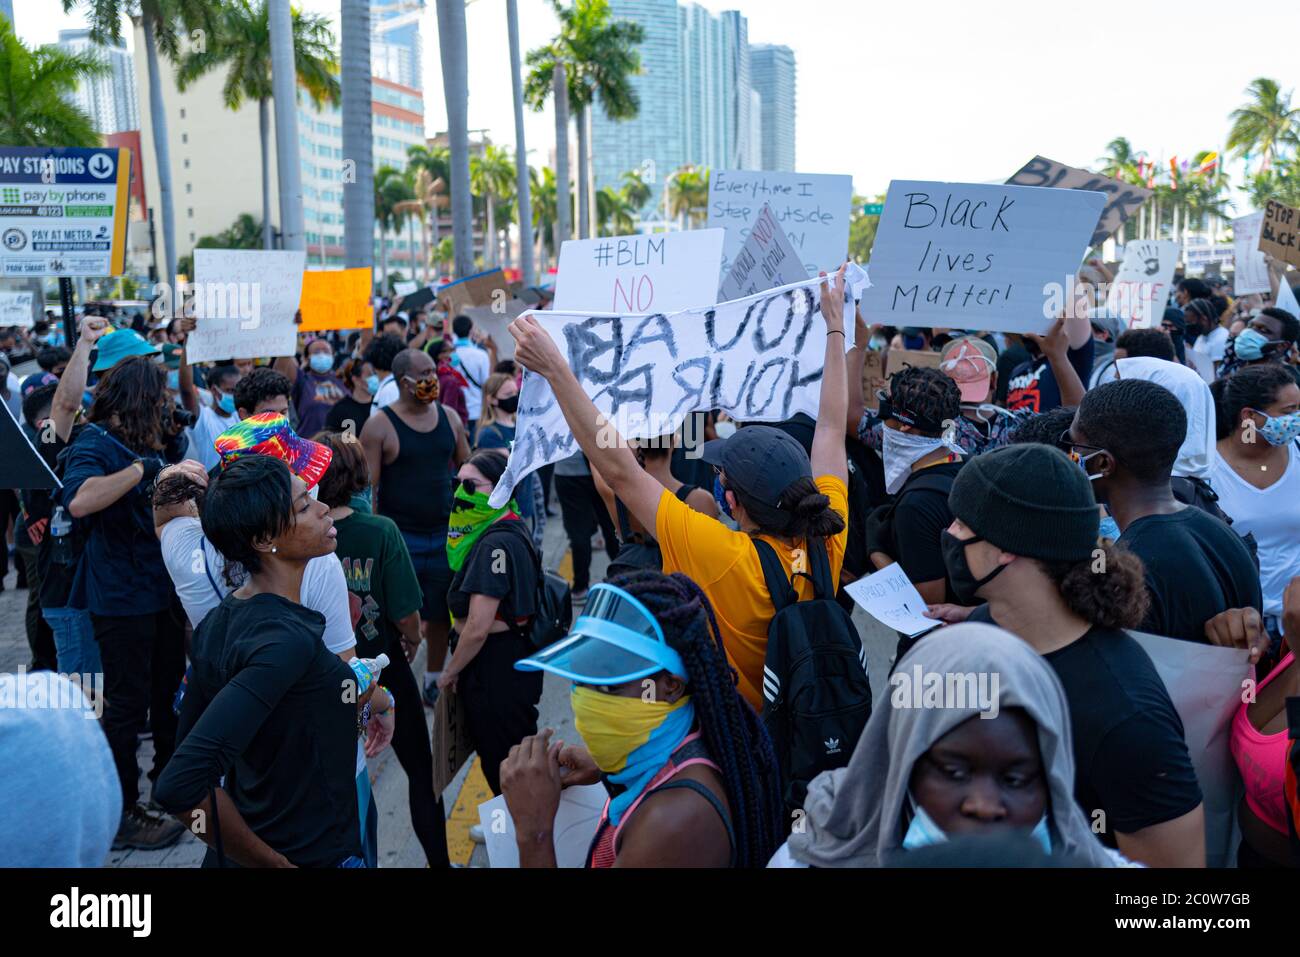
415,488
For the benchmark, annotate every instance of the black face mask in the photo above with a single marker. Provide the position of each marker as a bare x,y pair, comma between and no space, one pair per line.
510,405
963,581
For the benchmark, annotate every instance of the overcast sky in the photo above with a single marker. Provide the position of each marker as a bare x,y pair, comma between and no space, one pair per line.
942,90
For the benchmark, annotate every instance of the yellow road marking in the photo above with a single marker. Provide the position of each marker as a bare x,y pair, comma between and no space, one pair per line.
473,792
565,568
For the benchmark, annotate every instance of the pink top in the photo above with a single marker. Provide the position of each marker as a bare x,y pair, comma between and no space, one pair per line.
1261,758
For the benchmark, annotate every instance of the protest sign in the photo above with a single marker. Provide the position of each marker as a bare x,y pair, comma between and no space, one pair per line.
496,321
1123,200
1205,684
639,275
1251,268
758,359
336,299
1285,298
1141,287
813,209
767,260
21,466
1280,233
890,597
480,289
975,256
16,309
576,820
873,378
244,303
405,288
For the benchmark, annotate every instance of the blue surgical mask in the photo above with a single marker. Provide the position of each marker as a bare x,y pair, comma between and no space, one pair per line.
174,380
226,404
321,362
923,832
720,496
1109,529
372,384
1279,429
1249,345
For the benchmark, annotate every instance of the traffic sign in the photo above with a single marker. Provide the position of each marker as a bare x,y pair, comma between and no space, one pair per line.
63,211
873,209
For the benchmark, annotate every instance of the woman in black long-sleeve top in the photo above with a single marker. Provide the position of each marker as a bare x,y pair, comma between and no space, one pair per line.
267,704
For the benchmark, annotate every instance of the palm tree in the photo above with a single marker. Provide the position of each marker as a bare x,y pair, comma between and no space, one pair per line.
491,175
422,186
1281,182
635,189
543,191
162,23
436,161
615,213
455,83
243,44
600,57
391,190
358,145
36,88
522,184
1120,161
688,194
1265,124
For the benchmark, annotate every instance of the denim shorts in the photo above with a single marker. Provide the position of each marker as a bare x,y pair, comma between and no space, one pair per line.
429,556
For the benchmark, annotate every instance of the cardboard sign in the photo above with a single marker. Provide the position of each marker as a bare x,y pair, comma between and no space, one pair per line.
336,299
1280,235
975,256
1141,287
873,379
244,303
758,359
481,289
495,322
16,309
21,466
890,597
576,820
1123,200
813,209
639,275
1251,268
767,260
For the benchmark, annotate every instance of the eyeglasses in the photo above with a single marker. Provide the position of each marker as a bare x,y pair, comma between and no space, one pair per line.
1068,446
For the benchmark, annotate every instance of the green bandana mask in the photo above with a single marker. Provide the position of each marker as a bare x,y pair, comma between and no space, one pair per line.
470,517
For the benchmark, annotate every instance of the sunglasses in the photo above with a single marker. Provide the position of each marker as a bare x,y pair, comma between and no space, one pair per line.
1068,446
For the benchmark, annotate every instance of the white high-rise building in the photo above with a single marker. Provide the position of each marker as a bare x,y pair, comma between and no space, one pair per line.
395,42
110,100
773,71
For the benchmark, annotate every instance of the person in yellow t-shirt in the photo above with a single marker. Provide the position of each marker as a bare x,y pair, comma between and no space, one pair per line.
765,482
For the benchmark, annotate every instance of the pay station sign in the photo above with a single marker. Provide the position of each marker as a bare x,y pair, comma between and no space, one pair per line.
63,211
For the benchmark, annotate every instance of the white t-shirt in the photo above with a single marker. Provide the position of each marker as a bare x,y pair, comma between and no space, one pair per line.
1213,344
782,858
388,394
210,424
476,367
1272,515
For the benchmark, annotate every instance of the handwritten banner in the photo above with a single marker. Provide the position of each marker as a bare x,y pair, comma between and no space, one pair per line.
16,309
813,209
1123,200
638,275
246,300
337,299
976,256
758,359
767,260
1251,269
1141,287
1280,235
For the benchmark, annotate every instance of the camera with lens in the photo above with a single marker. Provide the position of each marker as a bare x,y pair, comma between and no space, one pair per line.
183,419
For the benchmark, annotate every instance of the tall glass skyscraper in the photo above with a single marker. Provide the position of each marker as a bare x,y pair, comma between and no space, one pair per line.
109,100
773,72
395,42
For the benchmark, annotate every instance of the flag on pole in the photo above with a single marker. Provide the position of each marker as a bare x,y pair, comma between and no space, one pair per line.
1173,172
1210,162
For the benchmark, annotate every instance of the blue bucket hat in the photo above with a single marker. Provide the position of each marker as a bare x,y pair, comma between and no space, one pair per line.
121,344
615,640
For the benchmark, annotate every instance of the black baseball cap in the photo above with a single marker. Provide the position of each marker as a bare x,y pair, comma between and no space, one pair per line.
761,461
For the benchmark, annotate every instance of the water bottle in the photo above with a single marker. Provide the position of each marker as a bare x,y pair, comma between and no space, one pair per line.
367,671
60,545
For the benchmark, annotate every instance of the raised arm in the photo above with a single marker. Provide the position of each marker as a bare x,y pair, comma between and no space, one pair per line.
1055,345
855,362
66,404
828,457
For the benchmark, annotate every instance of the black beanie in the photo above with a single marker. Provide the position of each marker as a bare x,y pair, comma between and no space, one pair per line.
1029,500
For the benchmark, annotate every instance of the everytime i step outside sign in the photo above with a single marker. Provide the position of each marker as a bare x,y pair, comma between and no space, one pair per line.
813,209
655,272
63,211
977,256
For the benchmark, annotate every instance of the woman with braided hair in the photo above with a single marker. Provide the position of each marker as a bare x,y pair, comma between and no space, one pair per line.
691,774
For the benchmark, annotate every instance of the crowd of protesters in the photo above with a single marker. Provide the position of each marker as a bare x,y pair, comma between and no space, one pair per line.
232,542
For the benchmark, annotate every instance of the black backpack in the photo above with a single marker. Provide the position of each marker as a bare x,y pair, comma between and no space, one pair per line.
816,695
554,599
879,531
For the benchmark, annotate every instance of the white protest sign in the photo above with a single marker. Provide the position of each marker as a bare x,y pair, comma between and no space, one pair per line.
890,598
977,256
576,820
1251,273
15,309
1205,684
244,303
758,359
405,288
1286,296
813,209
638,275
767,260
1141,287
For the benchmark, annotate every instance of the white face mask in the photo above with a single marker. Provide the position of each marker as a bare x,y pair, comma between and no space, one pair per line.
902,449
725,430
923,832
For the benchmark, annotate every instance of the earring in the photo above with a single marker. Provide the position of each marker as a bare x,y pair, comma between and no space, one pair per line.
272,549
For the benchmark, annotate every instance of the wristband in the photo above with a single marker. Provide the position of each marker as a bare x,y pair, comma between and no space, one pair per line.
392,703
831,332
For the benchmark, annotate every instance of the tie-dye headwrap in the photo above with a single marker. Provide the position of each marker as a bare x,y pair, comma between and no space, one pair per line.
268,433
